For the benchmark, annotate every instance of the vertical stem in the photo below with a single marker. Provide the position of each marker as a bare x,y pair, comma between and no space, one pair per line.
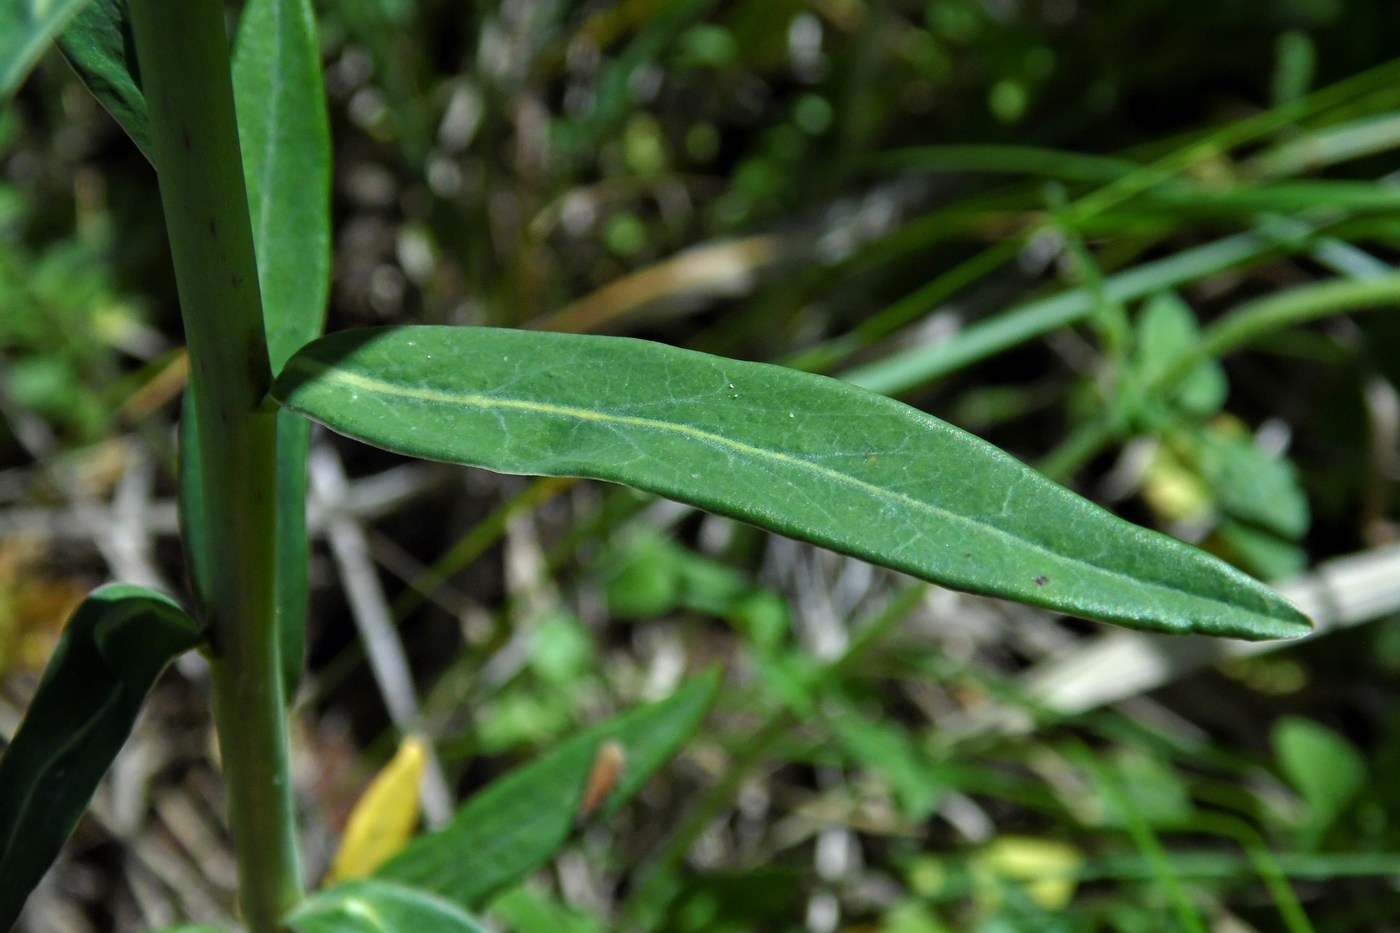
183,51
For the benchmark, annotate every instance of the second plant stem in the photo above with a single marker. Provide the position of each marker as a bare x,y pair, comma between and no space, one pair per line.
183,51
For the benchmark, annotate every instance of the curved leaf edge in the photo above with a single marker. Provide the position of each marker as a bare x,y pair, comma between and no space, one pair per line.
360,906
108,658
1225,601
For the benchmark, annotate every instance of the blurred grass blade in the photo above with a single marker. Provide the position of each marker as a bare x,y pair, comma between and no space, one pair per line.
26,27
285,137
379,907
794,453
384,816
107,659
521,820
1354,139
1331,196
902,372
98,46
1262,316
1037,161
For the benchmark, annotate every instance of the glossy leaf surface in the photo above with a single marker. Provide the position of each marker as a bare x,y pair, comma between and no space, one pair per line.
99,47
379,907
520,821
798,454
107,659
26,28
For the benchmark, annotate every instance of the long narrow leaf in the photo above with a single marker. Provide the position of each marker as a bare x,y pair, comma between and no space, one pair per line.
293,547
520,821
802,455
903,371
98,45
111,653
26,26
285,137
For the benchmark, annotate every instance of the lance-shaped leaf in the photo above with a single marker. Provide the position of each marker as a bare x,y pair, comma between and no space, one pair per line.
26,27
379,907
520,821
798,454
98,44
110,654
284,133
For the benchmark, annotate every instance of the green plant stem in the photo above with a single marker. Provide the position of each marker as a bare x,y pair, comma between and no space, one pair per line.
183,51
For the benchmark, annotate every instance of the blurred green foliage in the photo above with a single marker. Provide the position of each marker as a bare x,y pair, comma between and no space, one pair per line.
1060,198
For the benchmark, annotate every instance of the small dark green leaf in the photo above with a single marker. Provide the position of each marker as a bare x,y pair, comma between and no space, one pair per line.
26,27
379,907
285,136
791,452
98,44
110,654
521,820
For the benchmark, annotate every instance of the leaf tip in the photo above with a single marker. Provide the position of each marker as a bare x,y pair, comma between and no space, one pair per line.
1285,624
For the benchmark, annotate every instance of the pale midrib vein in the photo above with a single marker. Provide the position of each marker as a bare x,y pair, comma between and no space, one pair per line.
315,369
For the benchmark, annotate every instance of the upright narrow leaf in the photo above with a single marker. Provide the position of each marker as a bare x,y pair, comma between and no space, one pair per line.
795,453
379,907
26,27
285,137
194,534
110,654
521,820
99,47
293,547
